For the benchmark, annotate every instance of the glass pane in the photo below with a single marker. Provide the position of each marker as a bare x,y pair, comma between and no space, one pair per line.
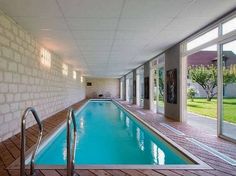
229,26
213,34
140,86
129,88
142,90
153,84
160,84
229,89
202,89
121,90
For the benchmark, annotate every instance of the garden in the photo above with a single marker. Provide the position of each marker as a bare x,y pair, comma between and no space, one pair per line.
209,108
206,77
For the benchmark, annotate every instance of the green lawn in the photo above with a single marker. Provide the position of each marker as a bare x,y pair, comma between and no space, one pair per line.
208,108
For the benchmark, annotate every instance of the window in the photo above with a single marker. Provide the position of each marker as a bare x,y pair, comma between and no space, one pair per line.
211,53
229,26
228,93
81,79
74,74
65,69
212,34
45,57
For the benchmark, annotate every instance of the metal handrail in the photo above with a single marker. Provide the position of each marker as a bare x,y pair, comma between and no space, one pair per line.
71,158
23,126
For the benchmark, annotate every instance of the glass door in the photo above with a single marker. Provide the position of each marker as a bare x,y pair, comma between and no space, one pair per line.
127,90
227,100
131,90
141,90
121,90
160,73
140,86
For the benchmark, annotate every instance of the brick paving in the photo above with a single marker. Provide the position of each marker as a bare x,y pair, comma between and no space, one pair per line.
10,148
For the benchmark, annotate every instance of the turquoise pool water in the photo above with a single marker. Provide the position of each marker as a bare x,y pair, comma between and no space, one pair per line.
107,134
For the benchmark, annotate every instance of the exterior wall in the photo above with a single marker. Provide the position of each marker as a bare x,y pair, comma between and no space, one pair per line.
107,86
172,60
230,90
200,91
25,82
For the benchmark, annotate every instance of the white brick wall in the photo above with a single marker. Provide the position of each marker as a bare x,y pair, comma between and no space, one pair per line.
25,82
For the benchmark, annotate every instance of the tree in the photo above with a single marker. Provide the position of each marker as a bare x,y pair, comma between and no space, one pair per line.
206,77
161,81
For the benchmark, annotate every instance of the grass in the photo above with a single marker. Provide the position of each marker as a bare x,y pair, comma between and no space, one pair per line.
209,108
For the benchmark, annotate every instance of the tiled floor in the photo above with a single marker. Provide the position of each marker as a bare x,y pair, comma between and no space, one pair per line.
10,149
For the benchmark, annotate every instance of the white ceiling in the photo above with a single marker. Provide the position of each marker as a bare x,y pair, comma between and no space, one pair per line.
108,38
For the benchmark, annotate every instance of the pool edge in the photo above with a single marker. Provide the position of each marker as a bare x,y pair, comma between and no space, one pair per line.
182,150
199,163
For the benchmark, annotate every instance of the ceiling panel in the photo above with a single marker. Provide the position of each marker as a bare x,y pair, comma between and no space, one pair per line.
97,54
93,35
132,35
91,8
94,48
34,24
92,23
108,38
31,8
153,8
179,24
208,8
94,42
152,24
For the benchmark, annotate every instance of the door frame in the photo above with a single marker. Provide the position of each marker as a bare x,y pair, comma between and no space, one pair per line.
220,89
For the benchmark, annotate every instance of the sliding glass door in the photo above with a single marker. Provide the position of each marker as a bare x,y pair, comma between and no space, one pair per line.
140,86
129,88
160,83
227,102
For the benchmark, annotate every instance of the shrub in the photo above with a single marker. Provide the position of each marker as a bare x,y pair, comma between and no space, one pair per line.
191,93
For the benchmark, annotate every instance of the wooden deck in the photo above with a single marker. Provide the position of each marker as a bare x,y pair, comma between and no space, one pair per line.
10,149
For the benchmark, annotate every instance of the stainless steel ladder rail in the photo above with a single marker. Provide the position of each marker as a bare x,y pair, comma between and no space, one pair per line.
71,154
23,126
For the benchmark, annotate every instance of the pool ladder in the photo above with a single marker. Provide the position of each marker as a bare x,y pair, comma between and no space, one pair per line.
22,154
71,154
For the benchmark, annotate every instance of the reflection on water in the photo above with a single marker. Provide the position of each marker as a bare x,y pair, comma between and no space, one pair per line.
154,153
158,154
110,136
127,122
121,115
144,142
140,138
81,123
161,157
64,151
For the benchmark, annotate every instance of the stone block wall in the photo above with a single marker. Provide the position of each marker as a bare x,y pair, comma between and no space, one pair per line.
24,81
